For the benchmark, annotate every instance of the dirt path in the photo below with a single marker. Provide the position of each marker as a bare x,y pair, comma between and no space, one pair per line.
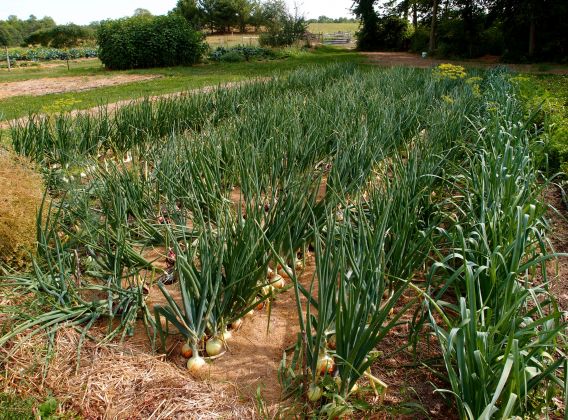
44,86
558,217
393,59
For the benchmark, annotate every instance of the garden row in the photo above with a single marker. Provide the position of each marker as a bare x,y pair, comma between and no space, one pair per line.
47,54
416,192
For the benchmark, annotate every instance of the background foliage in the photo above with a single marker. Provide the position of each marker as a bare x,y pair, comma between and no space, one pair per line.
518,30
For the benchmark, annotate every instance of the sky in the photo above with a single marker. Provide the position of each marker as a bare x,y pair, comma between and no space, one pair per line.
83,12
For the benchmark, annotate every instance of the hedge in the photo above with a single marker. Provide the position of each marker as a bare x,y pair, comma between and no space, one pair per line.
149,41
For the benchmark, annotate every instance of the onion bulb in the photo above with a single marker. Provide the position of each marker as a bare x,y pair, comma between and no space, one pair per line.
214,346
278,282
284,270
325,364
331,342
314,393
186,351
195,364
237,323
298,263
270,273
249,314
227,335
354,388
267,290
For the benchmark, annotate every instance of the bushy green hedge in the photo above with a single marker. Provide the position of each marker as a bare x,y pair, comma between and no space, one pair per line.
149,41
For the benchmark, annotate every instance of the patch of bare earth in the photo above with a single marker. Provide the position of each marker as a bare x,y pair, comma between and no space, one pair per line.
394,59
37,87
558,236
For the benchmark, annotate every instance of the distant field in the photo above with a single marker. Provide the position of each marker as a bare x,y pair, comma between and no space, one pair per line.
215,41
252,38
328,28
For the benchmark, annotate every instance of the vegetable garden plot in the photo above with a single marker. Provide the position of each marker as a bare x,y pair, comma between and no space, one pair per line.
425,173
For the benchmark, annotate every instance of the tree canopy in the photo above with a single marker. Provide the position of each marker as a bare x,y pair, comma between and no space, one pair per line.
61,36
226,15
518,30
16,30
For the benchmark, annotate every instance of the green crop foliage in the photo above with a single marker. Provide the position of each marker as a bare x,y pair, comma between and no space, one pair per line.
417,193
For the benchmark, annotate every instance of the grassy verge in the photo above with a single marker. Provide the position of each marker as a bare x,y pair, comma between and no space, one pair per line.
547,97
172,80
84,67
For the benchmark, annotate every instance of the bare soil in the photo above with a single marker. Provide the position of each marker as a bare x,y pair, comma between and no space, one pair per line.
44,86
558,236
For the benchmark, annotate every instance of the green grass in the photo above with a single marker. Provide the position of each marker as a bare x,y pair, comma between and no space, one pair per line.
173,80
22,408
85,67
547,95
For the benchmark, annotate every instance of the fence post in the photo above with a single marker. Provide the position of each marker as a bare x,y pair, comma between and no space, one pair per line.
8,58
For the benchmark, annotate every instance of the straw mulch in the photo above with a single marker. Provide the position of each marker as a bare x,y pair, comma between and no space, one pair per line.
22,192
113,382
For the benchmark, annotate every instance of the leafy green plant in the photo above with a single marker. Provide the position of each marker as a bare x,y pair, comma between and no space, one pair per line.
148,41
501,339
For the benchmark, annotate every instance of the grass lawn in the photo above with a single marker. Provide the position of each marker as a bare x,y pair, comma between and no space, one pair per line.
56,68
173,80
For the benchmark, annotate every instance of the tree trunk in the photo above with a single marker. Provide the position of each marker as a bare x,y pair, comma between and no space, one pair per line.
532,36
405,9
414,15
8,58
433,26
446,9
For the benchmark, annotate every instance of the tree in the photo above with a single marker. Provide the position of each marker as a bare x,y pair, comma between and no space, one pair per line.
256,17
244,9
61,36
284,28
3,37
364,10
142,12
433,26
275,12
190,10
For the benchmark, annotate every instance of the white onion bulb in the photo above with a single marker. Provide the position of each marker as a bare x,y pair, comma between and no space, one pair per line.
214,347
195,364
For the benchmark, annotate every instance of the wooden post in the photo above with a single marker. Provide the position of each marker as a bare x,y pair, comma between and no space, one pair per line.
8,58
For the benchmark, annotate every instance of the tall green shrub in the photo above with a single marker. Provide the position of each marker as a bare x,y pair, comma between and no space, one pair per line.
149,41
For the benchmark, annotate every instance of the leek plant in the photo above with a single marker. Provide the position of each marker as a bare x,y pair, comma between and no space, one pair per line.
501,333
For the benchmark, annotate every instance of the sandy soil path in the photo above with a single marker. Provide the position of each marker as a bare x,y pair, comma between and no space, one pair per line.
44,86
